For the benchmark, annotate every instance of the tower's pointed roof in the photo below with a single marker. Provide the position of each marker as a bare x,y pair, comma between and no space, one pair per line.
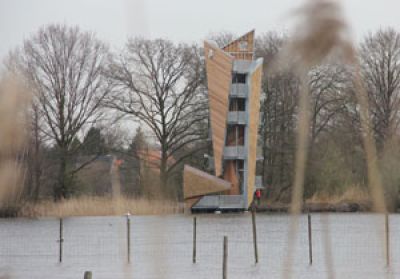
242,47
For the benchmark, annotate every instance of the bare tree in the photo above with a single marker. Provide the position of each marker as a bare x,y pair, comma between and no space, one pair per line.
278,112
64,68
160,84
35,154
380,60
329,86
222,38
278,131
267,46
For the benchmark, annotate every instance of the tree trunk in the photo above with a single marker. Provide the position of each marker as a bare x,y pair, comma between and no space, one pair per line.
62,185
163,172
36,178
37,164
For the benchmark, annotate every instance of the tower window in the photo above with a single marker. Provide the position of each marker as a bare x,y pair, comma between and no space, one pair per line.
238,78
237,104
235,135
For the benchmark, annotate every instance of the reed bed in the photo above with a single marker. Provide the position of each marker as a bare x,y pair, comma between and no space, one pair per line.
354,194
100,206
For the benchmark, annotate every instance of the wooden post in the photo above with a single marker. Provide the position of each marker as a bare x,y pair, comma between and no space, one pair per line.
225,259
387,242
88,275
61,240
309,239
128,237
194,239
253,218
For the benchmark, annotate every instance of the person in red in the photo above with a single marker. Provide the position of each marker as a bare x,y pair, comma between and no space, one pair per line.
258,196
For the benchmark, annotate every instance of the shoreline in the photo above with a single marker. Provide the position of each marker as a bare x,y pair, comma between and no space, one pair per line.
106,206
340,207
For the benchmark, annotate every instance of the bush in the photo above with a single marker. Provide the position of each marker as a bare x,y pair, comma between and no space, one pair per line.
390,170
328,171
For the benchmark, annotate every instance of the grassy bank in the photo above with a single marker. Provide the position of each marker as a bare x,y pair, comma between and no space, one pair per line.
354,198
99,206
352,194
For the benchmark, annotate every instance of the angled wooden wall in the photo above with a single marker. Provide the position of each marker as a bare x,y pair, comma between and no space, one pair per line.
197,183
219,77
254,116
236,51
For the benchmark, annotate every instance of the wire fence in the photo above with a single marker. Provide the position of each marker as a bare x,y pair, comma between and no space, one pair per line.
350,245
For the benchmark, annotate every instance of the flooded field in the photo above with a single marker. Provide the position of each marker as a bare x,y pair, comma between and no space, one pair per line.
161,247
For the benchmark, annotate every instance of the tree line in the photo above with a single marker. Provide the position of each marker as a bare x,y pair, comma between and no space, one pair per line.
82,91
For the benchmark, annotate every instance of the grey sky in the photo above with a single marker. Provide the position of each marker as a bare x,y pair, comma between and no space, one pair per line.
179,20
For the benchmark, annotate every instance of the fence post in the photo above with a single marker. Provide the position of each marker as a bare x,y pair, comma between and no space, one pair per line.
87,275
225,258
387,241
253,218
194,238
309,239
61,240
128,237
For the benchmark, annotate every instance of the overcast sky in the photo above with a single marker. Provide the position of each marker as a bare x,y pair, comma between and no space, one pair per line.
179,20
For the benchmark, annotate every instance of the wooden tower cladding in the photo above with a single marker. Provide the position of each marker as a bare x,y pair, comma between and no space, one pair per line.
219,76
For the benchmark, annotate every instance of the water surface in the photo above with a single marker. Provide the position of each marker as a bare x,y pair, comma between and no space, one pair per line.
161,247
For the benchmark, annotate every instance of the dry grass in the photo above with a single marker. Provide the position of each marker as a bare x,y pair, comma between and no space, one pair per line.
100,206
354,194
14,102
